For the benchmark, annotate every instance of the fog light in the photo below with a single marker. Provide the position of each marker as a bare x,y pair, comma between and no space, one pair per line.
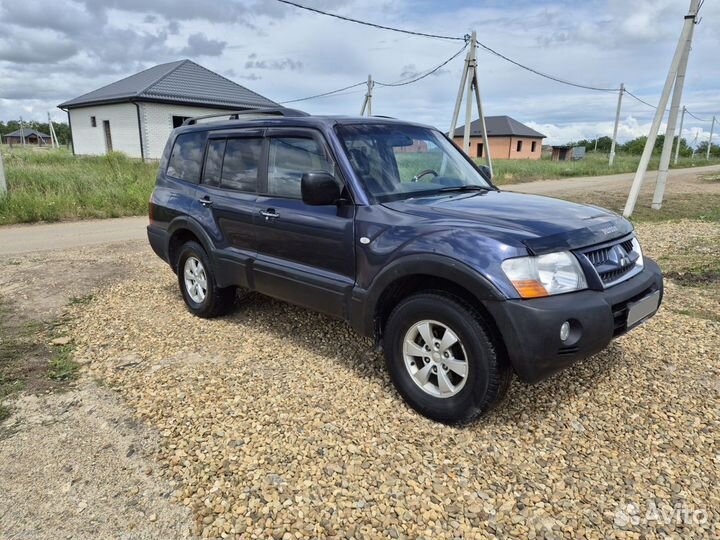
564,331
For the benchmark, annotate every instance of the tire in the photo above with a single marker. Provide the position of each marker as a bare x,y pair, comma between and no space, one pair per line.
486,373
208,301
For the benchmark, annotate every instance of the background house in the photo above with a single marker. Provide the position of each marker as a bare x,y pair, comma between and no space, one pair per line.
31,137
509,139
135,115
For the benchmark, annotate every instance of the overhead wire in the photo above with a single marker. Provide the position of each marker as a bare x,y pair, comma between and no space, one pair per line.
466,39
374,25
427,74
324,94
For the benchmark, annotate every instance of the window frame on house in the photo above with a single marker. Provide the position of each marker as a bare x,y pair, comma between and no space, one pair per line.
93,121
533,146
519,145
178,120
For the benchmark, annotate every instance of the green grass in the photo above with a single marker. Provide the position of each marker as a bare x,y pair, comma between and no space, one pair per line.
676,206
511,171
54,185
61,366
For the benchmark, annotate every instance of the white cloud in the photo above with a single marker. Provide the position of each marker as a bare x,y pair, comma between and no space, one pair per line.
296,53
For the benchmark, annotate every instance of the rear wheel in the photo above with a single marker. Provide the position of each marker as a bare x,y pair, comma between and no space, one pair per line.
442,360
197,283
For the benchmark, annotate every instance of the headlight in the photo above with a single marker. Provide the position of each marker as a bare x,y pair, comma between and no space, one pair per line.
637,249
553,273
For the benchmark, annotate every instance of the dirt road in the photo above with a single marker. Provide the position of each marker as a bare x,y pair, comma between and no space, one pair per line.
18,239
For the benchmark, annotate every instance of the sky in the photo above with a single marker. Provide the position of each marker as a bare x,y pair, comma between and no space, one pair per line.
54,50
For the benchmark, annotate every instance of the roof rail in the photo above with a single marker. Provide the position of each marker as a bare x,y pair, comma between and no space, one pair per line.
235,115
384,116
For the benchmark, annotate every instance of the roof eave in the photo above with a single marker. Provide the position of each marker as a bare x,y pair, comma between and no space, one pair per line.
144,99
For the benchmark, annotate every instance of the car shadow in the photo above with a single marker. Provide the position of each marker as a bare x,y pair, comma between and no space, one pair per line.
334,339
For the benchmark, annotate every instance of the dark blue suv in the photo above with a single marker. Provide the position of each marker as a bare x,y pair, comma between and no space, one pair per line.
390,227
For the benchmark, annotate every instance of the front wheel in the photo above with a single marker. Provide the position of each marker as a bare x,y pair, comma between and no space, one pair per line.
442,359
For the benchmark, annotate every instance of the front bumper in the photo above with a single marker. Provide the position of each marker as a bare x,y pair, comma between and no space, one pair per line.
531,328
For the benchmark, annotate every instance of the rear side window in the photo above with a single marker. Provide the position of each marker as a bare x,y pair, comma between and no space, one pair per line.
186,157
241,164
213,162
290,158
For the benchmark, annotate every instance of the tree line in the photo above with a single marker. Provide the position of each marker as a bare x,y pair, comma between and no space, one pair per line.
62,130
636,146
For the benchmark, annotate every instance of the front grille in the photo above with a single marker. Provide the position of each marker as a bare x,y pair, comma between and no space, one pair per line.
614,262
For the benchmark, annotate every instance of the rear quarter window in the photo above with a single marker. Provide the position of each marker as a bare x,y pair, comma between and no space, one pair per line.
186,157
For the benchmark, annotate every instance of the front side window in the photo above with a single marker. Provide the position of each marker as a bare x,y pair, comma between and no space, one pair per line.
289,159
186,156
401,161
241,164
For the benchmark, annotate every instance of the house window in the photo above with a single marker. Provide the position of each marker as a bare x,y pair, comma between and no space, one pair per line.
480,150
178,120
519,146
533,145
93,121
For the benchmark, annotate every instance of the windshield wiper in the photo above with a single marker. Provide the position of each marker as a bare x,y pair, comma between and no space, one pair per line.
469,187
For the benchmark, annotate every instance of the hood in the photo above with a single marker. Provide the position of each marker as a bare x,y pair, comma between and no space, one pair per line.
543,224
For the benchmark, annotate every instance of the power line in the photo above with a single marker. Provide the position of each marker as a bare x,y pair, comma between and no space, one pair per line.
654,107
331,92
629,93
695,117
374,25
541,74
420,77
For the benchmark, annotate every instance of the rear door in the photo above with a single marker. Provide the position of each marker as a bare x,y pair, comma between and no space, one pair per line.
305,253
228,193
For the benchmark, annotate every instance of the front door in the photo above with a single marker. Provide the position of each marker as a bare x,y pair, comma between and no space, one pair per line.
305,253
226,196
108,135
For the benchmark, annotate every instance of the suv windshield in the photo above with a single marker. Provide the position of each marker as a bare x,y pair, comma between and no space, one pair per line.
398,162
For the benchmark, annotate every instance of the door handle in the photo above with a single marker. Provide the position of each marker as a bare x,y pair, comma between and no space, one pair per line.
205,201
269,213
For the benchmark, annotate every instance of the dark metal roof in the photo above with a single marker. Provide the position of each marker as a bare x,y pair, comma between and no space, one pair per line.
500,126
182,82
26,132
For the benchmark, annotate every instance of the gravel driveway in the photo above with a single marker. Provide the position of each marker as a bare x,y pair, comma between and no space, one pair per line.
277,422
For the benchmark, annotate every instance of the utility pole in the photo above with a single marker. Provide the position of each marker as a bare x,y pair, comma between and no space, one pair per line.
22,131
53,136
469,79
617,123
3,182
677,146
660,111
367,102
712,127
664,167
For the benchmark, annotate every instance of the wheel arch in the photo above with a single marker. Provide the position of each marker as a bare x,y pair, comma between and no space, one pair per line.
416,273
181,230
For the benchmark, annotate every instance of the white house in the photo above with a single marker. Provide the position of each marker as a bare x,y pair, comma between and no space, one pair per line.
135,115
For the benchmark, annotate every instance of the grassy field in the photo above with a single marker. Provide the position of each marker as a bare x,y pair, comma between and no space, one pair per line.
512,171
54,185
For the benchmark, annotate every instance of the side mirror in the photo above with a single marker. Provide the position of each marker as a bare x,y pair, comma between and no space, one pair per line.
486,171
319,188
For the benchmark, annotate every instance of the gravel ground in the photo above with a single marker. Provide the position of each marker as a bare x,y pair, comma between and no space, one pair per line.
277,422
90,473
